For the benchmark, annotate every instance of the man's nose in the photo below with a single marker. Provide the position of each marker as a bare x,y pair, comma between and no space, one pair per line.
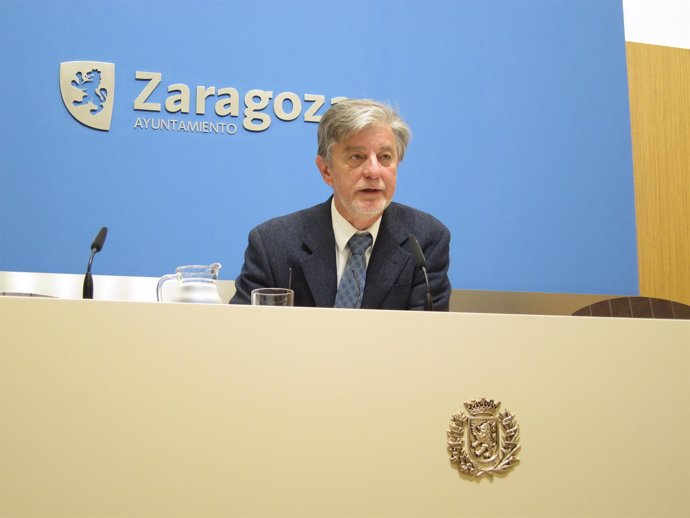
372,167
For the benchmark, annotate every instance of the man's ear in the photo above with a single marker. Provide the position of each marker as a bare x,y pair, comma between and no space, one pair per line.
324,169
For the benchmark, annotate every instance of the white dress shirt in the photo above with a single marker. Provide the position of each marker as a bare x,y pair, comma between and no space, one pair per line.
343,231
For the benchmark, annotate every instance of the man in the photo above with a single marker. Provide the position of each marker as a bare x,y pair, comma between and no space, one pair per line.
360,144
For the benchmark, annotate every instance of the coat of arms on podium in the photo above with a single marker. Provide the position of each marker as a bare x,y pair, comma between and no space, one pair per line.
485,441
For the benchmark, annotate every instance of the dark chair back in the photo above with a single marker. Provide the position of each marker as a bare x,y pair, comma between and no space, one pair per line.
635,307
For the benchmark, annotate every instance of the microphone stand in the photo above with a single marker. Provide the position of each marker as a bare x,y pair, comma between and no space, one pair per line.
428,300
420,262
87,292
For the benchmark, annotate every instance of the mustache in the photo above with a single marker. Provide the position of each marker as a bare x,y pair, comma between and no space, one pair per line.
376,186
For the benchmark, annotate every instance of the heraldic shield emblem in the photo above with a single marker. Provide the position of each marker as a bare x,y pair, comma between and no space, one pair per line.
88,91
484,442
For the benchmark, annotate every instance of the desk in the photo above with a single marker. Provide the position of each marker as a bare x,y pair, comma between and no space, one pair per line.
143,409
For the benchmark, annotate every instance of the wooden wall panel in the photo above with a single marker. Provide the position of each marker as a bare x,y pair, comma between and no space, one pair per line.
659,82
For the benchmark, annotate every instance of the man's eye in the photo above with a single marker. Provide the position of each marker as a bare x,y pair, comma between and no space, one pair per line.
385,158
356,156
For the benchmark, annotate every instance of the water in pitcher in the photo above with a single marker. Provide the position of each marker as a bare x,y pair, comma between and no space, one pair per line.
195,283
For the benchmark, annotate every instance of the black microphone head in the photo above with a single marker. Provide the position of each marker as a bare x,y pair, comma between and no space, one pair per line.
419,259
100,239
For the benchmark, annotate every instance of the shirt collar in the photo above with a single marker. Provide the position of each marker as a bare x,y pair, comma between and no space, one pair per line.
343,230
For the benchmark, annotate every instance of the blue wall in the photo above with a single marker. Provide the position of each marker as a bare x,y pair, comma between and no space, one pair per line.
519,111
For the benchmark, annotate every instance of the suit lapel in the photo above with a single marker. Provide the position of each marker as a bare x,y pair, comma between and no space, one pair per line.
387,261
319,264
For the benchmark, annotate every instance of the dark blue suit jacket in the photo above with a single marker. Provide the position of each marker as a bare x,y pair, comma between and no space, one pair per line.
302,246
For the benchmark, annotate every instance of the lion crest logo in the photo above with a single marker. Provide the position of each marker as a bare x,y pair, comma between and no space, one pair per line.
88,92
484,442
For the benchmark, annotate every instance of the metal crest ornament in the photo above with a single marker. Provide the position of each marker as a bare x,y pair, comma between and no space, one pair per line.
88,92
484,442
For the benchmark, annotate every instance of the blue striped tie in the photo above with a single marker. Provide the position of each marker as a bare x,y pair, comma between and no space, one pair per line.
351,287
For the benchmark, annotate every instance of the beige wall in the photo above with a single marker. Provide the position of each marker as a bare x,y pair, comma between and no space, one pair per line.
143,289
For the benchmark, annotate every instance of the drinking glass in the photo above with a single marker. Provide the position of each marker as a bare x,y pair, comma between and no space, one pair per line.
273,297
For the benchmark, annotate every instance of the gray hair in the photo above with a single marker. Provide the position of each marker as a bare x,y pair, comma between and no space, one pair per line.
350,116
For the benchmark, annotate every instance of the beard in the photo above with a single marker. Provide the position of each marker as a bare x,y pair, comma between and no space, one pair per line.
369,208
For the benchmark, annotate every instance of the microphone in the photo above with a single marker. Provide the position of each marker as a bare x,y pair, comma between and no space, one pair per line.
96,247
97,244
420,262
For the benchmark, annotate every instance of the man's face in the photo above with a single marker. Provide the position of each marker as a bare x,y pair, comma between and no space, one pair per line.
362,172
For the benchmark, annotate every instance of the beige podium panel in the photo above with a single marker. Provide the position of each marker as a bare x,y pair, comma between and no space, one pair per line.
119,409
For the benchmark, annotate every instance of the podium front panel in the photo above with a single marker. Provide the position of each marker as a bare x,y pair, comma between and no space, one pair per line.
163,410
